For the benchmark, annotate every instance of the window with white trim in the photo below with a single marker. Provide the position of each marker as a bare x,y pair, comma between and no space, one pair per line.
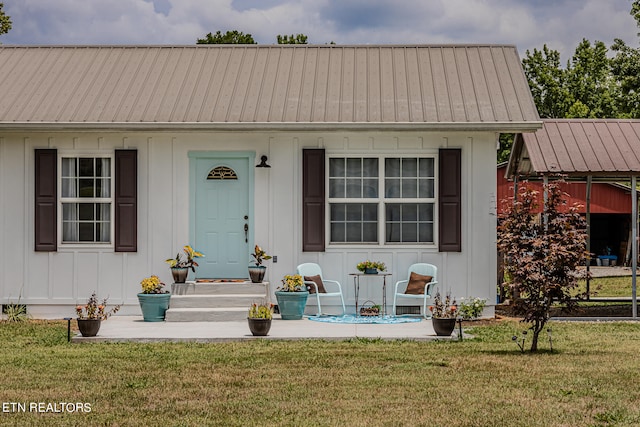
86,198
375,200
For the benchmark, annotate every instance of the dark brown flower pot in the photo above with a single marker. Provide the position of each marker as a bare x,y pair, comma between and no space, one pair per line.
259,327
256,272
89,327
179,274
443,327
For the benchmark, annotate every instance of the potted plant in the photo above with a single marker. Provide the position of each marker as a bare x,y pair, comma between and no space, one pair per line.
154,300
443,314
292,297
371,267
471,308
259,318
91,315
182,263
256,272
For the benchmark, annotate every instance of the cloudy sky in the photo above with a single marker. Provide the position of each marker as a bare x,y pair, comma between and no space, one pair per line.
528,24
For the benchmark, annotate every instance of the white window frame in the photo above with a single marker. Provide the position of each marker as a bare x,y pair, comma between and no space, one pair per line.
381,201
111,200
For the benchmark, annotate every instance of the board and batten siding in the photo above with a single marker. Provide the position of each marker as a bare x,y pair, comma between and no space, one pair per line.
52,282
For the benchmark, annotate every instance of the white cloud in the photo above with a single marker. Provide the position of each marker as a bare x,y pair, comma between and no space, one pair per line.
561,24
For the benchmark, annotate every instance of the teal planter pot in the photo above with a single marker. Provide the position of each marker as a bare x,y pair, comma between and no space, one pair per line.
292,304
154,306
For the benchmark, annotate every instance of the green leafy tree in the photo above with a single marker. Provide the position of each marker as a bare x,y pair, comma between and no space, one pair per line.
297,39
590,83
541,256
504,149
625,67
547,81
230,37
5,21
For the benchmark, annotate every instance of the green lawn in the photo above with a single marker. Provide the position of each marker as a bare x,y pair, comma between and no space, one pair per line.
608,286
590,379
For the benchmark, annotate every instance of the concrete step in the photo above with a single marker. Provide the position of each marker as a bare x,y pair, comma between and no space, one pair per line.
224,288
206,314
216,301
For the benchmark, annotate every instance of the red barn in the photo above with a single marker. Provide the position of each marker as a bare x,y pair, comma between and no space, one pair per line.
598,152
610,210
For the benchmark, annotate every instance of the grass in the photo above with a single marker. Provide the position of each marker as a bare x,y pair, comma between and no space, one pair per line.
608,286
590,379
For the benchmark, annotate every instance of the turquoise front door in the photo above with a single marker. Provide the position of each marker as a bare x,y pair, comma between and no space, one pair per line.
221,212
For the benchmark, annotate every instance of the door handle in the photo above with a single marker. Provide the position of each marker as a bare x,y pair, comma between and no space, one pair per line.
246,233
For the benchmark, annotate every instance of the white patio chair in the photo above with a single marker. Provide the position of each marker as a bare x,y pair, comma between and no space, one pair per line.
309,270
419,283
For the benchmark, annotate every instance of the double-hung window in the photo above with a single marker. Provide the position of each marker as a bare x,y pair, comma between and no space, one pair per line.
376,200
86,198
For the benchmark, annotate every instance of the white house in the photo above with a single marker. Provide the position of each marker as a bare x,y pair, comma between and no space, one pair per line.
111,159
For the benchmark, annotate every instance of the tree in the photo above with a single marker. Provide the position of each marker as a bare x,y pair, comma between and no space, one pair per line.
625,67
590,83
505,143
230,37
5,21
541,256
297,39
547,82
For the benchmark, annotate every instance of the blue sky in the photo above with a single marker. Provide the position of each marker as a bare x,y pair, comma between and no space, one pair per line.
528,24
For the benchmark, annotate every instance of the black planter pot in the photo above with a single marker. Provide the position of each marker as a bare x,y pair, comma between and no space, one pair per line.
443,327
256,272
259,327
89,327
179,274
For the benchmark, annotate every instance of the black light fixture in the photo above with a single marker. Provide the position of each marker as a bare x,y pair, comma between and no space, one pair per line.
263,163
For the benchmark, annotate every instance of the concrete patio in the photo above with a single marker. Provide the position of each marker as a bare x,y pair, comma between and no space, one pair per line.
134,329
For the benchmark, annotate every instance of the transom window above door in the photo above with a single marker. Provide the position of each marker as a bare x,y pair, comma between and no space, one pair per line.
222,172
375,200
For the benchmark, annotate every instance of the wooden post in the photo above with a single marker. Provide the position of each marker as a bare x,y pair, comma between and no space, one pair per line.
634,253
588,217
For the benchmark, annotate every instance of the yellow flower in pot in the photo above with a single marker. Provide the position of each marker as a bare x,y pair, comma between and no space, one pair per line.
292,297
259,318
154,299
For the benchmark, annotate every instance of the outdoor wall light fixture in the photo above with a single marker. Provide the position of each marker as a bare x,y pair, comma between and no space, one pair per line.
263,163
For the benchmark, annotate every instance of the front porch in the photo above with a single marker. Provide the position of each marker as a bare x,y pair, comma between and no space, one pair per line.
134,329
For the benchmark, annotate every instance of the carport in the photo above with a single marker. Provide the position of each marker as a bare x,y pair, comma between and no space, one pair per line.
587,150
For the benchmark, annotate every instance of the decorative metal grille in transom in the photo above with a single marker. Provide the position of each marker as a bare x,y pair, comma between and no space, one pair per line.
222,172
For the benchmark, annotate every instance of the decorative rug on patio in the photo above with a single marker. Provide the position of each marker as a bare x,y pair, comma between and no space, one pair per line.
348,318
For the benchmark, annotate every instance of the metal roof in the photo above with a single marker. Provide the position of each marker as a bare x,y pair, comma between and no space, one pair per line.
578,147
452,86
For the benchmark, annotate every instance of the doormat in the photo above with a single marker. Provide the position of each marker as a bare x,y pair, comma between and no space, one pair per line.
349,318
221,280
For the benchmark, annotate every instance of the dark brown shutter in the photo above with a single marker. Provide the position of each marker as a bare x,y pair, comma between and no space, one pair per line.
126,201
313,199
46,213
450,200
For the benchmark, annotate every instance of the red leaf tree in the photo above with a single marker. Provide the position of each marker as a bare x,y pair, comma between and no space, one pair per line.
542,253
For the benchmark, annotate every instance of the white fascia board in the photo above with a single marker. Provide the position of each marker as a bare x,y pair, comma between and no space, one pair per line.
505,127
